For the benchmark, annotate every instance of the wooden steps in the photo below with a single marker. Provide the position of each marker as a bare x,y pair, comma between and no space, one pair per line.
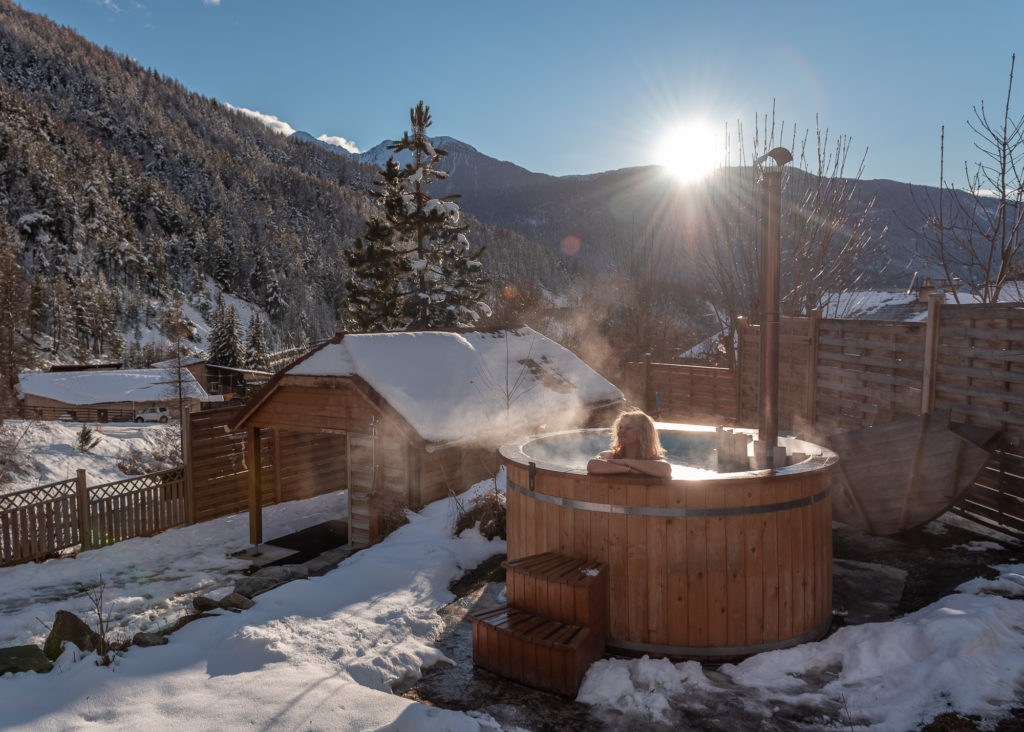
553,626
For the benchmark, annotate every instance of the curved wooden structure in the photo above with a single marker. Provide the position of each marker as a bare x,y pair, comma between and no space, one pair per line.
714,568
901,474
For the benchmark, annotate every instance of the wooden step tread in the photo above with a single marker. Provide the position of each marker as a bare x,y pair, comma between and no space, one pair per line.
554,567
535,629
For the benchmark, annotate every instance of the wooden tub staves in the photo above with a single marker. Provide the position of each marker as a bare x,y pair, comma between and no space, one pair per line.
712,568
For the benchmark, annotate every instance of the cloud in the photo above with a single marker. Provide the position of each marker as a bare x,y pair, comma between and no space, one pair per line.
269,120
211,2
339,141
283,128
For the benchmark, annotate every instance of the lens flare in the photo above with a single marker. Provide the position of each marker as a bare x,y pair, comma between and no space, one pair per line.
690,151
571,245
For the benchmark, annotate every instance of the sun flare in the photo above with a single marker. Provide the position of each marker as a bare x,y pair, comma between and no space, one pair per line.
690,151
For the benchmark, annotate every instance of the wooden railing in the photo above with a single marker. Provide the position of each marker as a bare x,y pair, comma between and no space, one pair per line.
40,522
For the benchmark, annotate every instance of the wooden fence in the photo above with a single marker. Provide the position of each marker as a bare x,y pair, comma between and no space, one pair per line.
39,522
77,414
840,375
43,521
294,465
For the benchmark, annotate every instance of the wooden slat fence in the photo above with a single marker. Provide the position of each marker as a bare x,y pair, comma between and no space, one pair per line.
140,506
294,465
39,522
77,414
839,375
217,470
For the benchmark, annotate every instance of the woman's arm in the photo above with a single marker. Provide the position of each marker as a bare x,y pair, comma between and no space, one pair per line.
605,465
659,468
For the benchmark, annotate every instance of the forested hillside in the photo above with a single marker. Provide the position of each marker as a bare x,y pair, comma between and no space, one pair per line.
119,187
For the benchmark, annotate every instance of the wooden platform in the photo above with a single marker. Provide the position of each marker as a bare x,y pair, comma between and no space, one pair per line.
553,626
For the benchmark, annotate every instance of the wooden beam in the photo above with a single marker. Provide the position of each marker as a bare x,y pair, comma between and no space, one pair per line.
931,352
255,487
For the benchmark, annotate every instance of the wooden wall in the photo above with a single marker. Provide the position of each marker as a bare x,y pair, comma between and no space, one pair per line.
294,465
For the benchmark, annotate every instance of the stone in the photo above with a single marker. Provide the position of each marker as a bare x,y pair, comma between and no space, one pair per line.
268,578
145,640
23,658
202,604
68,627
236,601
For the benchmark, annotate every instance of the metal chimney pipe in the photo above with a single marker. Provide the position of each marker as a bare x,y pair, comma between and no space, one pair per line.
771,214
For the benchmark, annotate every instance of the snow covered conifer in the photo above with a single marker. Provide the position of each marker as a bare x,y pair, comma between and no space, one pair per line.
225,341
415,268
256,345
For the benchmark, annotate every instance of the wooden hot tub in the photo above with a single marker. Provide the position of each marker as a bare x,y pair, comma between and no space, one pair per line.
703,565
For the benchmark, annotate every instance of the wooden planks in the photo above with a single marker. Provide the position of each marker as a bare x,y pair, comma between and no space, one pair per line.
903,473
728,571
553,626
531,649
696,394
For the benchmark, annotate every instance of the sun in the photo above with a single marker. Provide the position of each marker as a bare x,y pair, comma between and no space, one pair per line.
690,151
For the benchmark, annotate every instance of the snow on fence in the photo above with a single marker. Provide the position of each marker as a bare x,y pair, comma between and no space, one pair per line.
39,522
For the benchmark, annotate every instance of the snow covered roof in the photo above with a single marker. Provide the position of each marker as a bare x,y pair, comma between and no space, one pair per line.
453,385
185,361
100,387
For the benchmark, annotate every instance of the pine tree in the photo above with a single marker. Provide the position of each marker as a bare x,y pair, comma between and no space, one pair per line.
225,342
414,268
274,301
15,354
375,289
256,356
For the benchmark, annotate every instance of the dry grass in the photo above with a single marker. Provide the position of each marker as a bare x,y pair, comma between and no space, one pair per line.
486,510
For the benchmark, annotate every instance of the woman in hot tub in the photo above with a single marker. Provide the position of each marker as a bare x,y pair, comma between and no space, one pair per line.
635,448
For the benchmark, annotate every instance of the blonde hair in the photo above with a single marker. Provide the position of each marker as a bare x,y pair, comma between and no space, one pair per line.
647,434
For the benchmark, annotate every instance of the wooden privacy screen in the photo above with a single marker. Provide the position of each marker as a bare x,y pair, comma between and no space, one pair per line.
838,375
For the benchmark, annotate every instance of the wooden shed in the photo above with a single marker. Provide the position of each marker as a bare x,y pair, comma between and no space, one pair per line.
423,413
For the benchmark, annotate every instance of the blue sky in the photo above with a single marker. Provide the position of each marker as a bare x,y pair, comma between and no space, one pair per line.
565,87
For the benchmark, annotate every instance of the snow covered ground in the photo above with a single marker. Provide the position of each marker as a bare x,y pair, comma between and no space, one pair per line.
326,652
46,451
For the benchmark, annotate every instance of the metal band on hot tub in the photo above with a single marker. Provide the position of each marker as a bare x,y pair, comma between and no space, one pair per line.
662,511
718,652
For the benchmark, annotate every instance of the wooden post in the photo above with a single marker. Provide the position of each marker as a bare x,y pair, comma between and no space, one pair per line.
645,385
275,441
82,491
931,352
186,456
741,323
811,393
255,488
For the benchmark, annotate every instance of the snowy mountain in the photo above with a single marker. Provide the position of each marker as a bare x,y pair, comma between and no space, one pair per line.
601,208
